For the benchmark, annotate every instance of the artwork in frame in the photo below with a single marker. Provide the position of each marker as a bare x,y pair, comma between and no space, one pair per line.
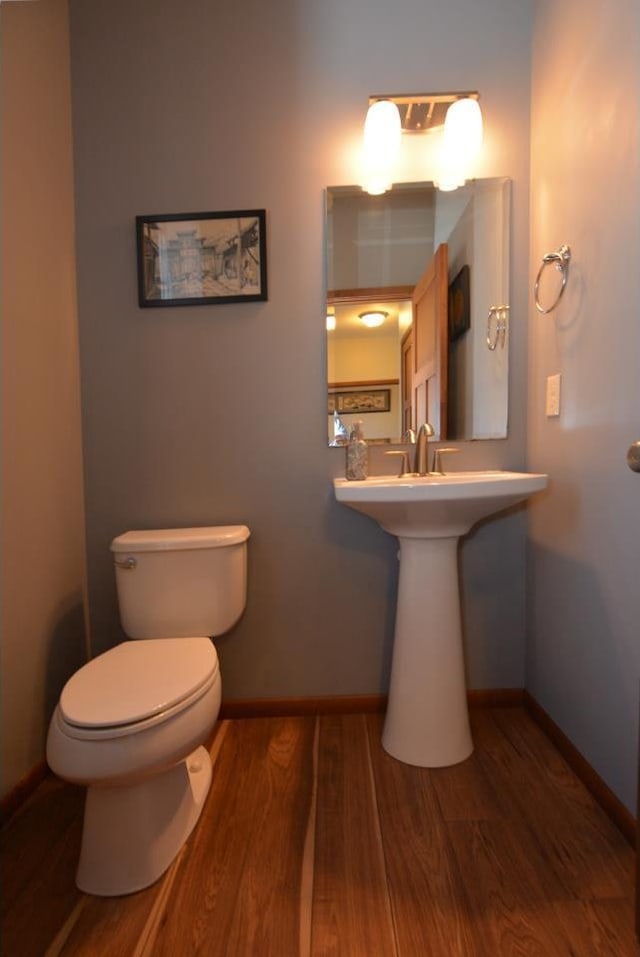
459,304
372,400
190,259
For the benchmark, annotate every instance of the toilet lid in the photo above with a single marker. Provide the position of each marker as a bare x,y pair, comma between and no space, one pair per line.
136,680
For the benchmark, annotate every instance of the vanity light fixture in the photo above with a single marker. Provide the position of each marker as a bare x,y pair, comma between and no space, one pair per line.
381,144
455,116
372,319
461,143
331,321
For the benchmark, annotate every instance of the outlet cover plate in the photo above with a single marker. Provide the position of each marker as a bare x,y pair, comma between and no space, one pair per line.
553,395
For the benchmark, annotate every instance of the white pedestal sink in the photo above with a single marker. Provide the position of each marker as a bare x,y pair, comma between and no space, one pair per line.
427,722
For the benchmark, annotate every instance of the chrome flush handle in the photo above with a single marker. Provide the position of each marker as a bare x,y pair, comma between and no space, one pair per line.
128,564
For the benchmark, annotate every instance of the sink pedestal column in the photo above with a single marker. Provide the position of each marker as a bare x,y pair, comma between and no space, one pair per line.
427,722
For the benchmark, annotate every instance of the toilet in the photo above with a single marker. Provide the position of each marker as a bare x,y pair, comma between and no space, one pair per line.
130,724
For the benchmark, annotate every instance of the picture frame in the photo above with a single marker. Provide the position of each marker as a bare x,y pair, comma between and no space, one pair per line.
459,311
197,259
359,401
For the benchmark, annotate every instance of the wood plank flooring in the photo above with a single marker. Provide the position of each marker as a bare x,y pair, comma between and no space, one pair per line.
314,842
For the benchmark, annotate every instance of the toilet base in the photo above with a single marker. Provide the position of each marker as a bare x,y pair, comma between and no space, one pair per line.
131,834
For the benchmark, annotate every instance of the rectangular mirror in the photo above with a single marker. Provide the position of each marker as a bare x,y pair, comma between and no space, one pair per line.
434,267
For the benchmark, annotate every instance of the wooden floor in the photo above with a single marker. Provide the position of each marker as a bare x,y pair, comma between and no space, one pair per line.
314,842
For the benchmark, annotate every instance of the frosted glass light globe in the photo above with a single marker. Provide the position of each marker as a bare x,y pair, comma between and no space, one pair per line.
381,143
463,129
461,143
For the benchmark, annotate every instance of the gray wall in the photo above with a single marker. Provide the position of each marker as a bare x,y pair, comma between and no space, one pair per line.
43,569
217,414
583,649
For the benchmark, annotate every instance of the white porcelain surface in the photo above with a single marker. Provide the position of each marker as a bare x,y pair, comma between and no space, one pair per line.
138,680
185,582
131,835
146,787
427,722
180,539
130,724
437,505
124,755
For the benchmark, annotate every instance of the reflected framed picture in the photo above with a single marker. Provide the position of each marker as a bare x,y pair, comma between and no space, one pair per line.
196,259
372,400
459,314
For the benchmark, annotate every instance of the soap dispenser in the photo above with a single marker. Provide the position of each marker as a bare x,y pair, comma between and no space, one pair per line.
356,454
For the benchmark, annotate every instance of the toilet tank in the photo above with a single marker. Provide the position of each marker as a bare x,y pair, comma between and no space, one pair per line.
181,582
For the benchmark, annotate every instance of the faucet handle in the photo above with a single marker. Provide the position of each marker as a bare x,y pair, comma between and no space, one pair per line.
437,459
404,463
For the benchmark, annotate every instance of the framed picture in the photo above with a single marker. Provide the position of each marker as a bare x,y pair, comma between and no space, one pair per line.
373,400
459,305
194,259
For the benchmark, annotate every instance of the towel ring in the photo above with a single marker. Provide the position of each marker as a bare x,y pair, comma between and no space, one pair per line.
499,334
561,258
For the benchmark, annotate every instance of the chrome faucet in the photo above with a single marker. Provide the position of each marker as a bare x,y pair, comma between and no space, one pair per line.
409,436
421,461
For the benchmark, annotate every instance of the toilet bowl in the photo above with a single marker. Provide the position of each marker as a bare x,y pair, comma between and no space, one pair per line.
130,724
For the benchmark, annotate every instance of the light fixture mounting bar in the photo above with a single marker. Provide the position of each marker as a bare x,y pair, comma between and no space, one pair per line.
423,112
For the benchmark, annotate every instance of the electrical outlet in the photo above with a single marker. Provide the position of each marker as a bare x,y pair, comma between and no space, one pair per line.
553,395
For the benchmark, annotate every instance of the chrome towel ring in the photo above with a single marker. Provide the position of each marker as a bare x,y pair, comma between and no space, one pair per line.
497,334
561,258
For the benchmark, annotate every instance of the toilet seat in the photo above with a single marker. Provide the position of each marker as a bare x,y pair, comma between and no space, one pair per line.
122,755
135,686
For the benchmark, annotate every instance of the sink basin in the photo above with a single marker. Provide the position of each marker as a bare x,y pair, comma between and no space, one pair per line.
427,722
437,506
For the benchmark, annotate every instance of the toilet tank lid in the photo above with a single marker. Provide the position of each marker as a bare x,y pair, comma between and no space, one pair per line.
178,539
